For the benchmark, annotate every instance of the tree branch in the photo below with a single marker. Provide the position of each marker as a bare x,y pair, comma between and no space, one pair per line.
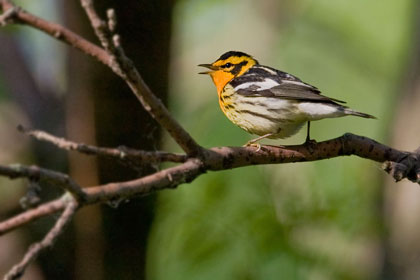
403,164
121,153
30,215
7,15
36,173
57,31
49,239
125,68
117,61
400,164
348,144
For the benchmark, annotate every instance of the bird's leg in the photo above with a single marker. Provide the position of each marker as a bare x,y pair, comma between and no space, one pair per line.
253,142
308,140
308,137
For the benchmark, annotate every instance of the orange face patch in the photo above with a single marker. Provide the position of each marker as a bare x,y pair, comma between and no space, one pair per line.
225,75
220,79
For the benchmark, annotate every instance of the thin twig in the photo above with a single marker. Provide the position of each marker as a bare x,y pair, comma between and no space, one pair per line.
30,215
165,179
121,153
41,174
35,249
7,15
57,31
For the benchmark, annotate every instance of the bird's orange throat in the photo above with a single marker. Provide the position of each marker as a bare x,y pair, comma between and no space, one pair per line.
220,79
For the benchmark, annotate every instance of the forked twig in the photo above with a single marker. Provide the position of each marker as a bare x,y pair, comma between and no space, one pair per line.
125,68
41,174
31,215
197,161
35,249
7,15
129,73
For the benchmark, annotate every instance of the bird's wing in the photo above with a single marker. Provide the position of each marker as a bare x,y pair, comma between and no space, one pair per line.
288,88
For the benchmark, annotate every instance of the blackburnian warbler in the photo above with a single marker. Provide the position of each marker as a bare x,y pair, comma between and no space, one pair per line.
268,102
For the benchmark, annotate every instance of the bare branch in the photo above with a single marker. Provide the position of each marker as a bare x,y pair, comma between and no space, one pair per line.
115,58
41,174
348,144
125,68
7,15
35,249
57,31
164,179
227,158
399,164
30,215
408,167
121,153
233,157
100,27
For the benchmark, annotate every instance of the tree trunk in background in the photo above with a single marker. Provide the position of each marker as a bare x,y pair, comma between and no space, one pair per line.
80,126
402,202
111,243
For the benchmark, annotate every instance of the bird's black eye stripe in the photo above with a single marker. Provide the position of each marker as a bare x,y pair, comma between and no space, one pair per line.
238,67
227,65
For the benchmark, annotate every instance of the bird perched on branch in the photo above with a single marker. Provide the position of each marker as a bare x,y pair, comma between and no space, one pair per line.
268,102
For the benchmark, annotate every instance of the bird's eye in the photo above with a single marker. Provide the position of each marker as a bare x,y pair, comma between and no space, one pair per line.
227,65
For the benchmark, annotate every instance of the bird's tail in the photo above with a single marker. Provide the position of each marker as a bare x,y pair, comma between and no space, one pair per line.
359,114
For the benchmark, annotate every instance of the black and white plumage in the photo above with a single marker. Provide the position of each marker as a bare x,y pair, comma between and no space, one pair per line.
269,102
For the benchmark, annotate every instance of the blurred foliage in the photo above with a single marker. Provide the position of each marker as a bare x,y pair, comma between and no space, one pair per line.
320,220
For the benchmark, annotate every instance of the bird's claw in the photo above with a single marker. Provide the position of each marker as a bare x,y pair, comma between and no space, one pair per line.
310,143
253,144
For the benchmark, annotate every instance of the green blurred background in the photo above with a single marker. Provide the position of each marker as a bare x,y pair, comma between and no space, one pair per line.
332,219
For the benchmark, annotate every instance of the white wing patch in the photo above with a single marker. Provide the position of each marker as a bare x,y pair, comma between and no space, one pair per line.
266,84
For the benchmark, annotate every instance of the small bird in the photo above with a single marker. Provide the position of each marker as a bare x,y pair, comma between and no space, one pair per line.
268,102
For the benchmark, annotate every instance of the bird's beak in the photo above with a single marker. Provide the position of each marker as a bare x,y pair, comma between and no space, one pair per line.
209,66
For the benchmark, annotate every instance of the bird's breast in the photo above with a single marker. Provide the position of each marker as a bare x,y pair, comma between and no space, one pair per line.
220,79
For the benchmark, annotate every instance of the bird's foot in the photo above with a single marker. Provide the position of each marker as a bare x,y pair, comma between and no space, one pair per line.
253,144
310,143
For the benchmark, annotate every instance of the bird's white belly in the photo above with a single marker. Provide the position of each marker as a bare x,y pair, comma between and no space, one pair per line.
263,115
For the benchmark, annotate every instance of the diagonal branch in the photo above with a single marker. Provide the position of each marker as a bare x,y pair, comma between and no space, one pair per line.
125,68
119,63
400,164
30,215
7,15
57,31
36,248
